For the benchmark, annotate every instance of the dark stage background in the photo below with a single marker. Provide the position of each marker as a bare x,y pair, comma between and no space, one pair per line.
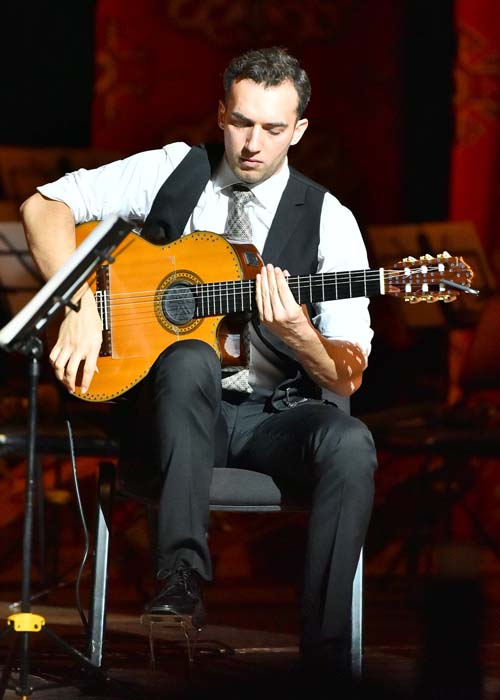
404,129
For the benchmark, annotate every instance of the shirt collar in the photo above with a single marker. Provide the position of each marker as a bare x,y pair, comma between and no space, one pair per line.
267,193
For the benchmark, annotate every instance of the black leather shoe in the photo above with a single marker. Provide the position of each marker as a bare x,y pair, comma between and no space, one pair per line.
182,596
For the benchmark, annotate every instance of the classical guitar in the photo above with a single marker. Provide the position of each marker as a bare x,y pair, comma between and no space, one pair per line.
198,287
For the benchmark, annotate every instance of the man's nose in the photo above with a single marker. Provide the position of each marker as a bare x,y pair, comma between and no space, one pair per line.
253,139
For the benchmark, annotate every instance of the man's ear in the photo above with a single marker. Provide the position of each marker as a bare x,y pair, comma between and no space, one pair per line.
299,130
221,114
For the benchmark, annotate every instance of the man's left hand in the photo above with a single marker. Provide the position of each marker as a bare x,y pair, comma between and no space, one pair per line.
277,306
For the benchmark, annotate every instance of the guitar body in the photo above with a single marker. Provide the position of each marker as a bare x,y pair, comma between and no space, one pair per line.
137,324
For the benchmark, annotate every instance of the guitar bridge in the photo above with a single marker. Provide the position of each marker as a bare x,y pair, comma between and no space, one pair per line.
102,298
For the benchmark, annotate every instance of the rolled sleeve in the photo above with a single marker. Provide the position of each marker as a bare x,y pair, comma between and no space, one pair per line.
342,249
125,187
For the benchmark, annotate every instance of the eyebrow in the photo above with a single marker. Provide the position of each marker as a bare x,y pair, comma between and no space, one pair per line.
270,125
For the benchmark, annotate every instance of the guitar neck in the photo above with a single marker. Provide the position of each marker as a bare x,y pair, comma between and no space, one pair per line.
220,298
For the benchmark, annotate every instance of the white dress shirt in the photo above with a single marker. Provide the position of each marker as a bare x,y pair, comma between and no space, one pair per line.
128,188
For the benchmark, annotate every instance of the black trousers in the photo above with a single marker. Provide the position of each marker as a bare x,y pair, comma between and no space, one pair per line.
186,426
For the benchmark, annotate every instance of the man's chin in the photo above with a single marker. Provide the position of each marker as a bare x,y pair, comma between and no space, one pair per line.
250,175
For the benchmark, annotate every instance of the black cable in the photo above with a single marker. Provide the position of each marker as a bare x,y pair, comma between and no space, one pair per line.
85,529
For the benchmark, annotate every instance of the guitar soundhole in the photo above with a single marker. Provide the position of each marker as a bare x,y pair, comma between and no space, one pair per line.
178,304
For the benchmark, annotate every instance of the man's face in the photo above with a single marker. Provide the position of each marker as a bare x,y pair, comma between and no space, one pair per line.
260,124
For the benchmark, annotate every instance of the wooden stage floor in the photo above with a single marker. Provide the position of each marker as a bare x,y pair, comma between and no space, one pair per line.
249,650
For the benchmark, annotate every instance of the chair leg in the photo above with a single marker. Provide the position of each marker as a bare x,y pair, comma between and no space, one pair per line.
97,608
357,622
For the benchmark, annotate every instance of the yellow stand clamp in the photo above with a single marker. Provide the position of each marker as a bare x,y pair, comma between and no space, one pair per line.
26,622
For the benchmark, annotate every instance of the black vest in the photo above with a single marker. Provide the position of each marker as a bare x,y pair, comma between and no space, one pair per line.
292,241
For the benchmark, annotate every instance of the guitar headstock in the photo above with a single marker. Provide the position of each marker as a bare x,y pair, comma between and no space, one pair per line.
430,279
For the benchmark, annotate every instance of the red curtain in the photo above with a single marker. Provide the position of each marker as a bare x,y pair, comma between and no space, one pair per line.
475,165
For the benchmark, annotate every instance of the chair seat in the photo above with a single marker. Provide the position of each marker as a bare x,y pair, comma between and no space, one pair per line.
231,489
246,490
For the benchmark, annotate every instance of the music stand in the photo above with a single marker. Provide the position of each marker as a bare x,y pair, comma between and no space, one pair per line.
21,334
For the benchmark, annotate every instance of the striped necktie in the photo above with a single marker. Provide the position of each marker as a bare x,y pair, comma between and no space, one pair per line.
238,227
239,230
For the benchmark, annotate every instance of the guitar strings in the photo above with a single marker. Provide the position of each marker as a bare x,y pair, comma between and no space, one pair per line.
246,286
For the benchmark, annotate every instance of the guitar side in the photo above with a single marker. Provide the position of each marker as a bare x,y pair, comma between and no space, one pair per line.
136,326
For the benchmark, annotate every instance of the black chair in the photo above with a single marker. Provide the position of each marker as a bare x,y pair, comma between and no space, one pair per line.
234,490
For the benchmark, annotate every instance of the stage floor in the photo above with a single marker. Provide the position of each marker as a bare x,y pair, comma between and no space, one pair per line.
249,650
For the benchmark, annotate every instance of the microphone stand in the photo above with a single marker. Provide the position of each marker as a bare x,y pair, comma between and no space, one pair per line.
22,334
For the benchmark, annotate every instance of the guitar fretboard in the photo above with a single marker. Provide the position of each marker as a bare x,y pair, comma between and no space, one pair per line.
220,298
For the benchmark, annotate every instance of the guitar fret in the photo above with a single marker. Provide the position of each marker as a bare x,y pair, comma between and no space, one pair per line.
358,284
98,299
102,311
217,298
102,298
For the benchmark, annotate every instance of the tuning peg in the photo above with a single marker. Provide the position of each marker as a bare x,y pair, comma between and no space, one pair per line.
426,257
410,259
444,254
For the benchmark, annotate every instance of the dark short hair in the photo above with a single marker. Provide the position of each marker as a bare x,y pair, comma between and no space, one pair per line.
270,66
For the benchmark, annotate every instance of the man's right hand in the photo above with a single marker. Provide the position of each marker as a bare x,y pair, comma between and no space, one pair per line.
50,231
78,344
